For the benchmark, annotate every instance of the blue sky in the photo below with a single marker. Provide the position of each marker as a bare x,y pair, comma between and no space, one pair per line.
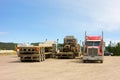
36,20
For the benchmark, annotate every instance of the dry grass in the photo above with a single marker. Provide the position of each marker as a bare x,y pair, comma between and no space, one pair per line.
4,54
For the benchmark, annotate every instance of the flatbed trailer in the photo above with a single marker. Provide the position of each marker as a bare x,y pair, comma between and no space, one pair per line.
33,53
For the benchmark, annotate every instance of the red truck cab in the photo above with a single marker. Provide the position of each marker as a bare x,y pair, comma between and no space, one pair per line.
93,48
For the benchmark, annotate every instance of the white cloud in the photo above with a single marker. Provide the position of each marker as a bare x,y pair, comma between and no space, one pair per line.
104,13
1,33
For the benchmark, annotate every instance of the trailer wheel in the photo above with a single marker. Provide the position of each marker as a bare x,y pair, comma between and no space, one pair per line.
101,61
84,61
21,60
41,57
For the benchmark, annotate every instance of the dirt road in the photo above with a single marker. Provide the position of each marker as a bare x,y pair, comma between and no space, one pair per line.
59,69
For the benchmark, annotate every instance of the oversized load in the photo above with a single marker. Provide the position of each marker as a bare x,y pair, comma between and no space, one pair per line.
70,48
50,47
29,52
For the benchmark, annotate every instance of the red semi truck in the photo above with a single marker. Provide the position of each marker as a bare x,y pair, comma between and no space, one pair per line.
93,48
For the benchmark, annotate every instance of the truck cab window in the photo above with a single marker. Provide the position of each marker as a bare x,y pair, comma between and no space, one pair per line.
93,43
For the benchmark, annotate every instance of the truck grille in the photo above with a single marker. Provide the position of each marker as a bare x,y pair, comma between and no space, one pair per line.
92,51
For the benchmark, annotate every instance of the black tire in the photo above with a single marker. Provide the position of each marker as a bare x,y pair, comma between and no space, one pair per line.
84,61
21,60
101,61
41,57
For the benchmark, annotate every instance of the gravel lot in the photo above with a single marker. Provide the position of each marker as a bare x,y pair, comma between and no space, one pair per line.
59,69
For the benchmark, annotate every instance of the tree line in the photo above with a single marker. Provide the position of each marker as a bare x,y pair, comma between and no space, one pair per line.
7,46
12,46
114,48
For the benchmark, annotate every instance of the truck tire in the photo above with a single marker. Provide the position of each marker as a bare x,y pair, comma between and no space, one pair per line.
42,57
101,61
21,60
84,61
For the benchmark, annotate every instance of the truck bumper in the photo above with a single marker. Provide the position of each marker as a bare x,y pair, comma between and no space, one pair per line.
92,58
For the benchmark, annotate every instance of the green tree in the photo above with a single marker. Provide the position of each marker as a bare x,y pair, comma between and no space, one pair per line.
114,48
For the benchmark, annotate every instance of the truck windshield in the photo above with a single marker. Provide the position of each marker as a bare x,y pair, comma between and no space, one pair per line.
93,43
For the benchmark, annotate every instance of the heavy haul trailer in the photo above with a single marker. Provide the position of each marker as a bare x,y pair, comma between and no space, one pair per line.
49,47
32,53
70,48
93,48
